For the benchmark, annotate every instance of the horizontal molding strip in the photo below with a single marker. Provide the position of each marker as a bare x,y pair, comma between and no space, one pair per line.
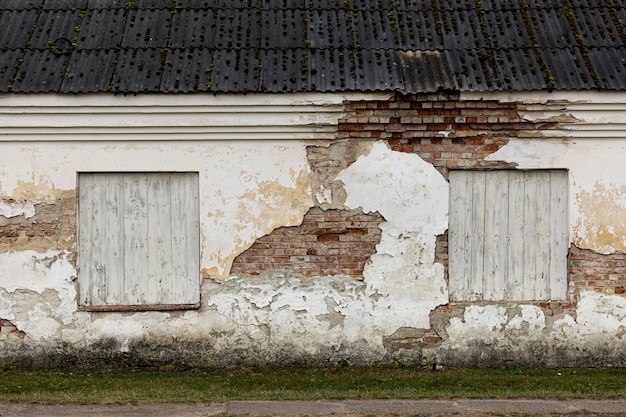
42,118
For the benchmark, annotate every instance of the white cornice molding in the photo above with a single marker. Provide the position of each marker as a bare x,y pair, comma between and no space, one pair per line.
173,117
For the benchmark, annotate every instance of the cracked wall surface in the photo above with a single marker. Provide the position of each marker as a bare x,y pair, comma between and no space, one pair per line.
383,175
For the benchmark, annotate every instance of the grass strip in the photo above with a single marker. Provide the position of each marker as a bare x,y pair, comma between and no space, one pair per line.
289,383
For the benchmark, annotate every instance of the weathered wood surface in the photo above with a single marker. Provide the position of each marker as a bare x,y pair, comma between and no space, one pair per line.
139,239
508,235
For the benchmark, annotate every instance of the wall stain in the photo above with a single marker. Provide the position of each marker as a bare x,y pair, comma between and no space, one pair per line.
52,227
35,192
273,205
601,226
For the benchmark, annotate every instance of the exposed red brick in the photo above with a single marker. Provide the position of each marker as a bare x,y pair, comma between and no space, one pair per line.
332,242
589,270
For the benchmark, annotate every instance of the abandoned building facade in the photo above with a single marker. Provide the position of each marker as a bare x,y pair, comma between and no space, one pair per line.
215,183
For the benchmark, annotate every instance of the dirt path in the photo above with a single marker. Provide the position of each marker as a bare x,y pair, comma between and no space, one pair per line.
347,408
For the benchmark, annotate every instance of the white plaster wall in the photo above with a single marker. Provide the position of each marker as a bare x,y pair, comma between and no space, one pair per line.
247,188
250,187
272,313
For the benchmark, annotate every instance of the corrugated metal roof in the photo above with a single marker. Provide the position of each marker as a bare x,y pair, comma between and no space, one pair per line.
411,46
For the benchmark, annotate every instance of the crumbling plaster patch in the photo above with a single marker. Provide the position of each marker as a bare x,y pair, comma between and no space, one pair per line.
12,208
45,227
521,333
327,162
43,299
412,196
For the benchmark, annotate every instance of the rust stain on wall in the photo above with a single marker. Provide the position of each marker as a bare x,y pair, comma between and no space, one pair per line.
601,226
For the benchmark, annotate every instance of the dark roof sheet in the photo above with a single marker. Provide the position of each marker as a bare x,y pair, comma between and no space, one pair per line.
238,46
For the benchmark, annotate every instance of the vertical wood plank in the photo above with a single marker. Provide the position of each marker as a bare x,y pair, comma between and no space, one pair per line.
135,237
495,239
185,257
515,255
114,225
558,235
476,233
530,221
543,250
457,237
98,243
160,240
85,188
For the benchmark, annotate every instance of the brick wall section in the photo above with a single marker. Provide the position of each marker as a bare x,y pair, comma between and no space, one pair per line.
332,242
589,270
11,232
440,128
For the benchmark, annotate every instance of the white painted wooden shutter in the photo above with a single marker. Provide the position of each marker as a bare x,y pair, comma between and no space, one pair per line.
138,239
508,235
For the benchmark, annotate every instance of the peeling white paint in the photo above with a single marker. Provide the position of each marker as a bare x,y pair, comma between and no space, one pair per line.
600,314
324,195
412,196
522,332
42,299
13,209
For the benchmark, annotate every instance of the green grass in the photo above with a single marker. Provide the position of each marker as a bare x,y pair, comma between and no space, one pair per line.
59,386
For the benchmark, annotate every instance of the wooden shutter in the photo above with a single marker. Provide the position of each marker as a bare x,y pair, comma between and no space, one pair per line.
508,235
139,240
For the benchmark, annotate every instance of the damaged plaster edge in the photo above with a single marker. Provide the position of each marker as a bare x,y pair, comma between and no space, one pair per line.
532,154
394,209
11,208
38,271
544,97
